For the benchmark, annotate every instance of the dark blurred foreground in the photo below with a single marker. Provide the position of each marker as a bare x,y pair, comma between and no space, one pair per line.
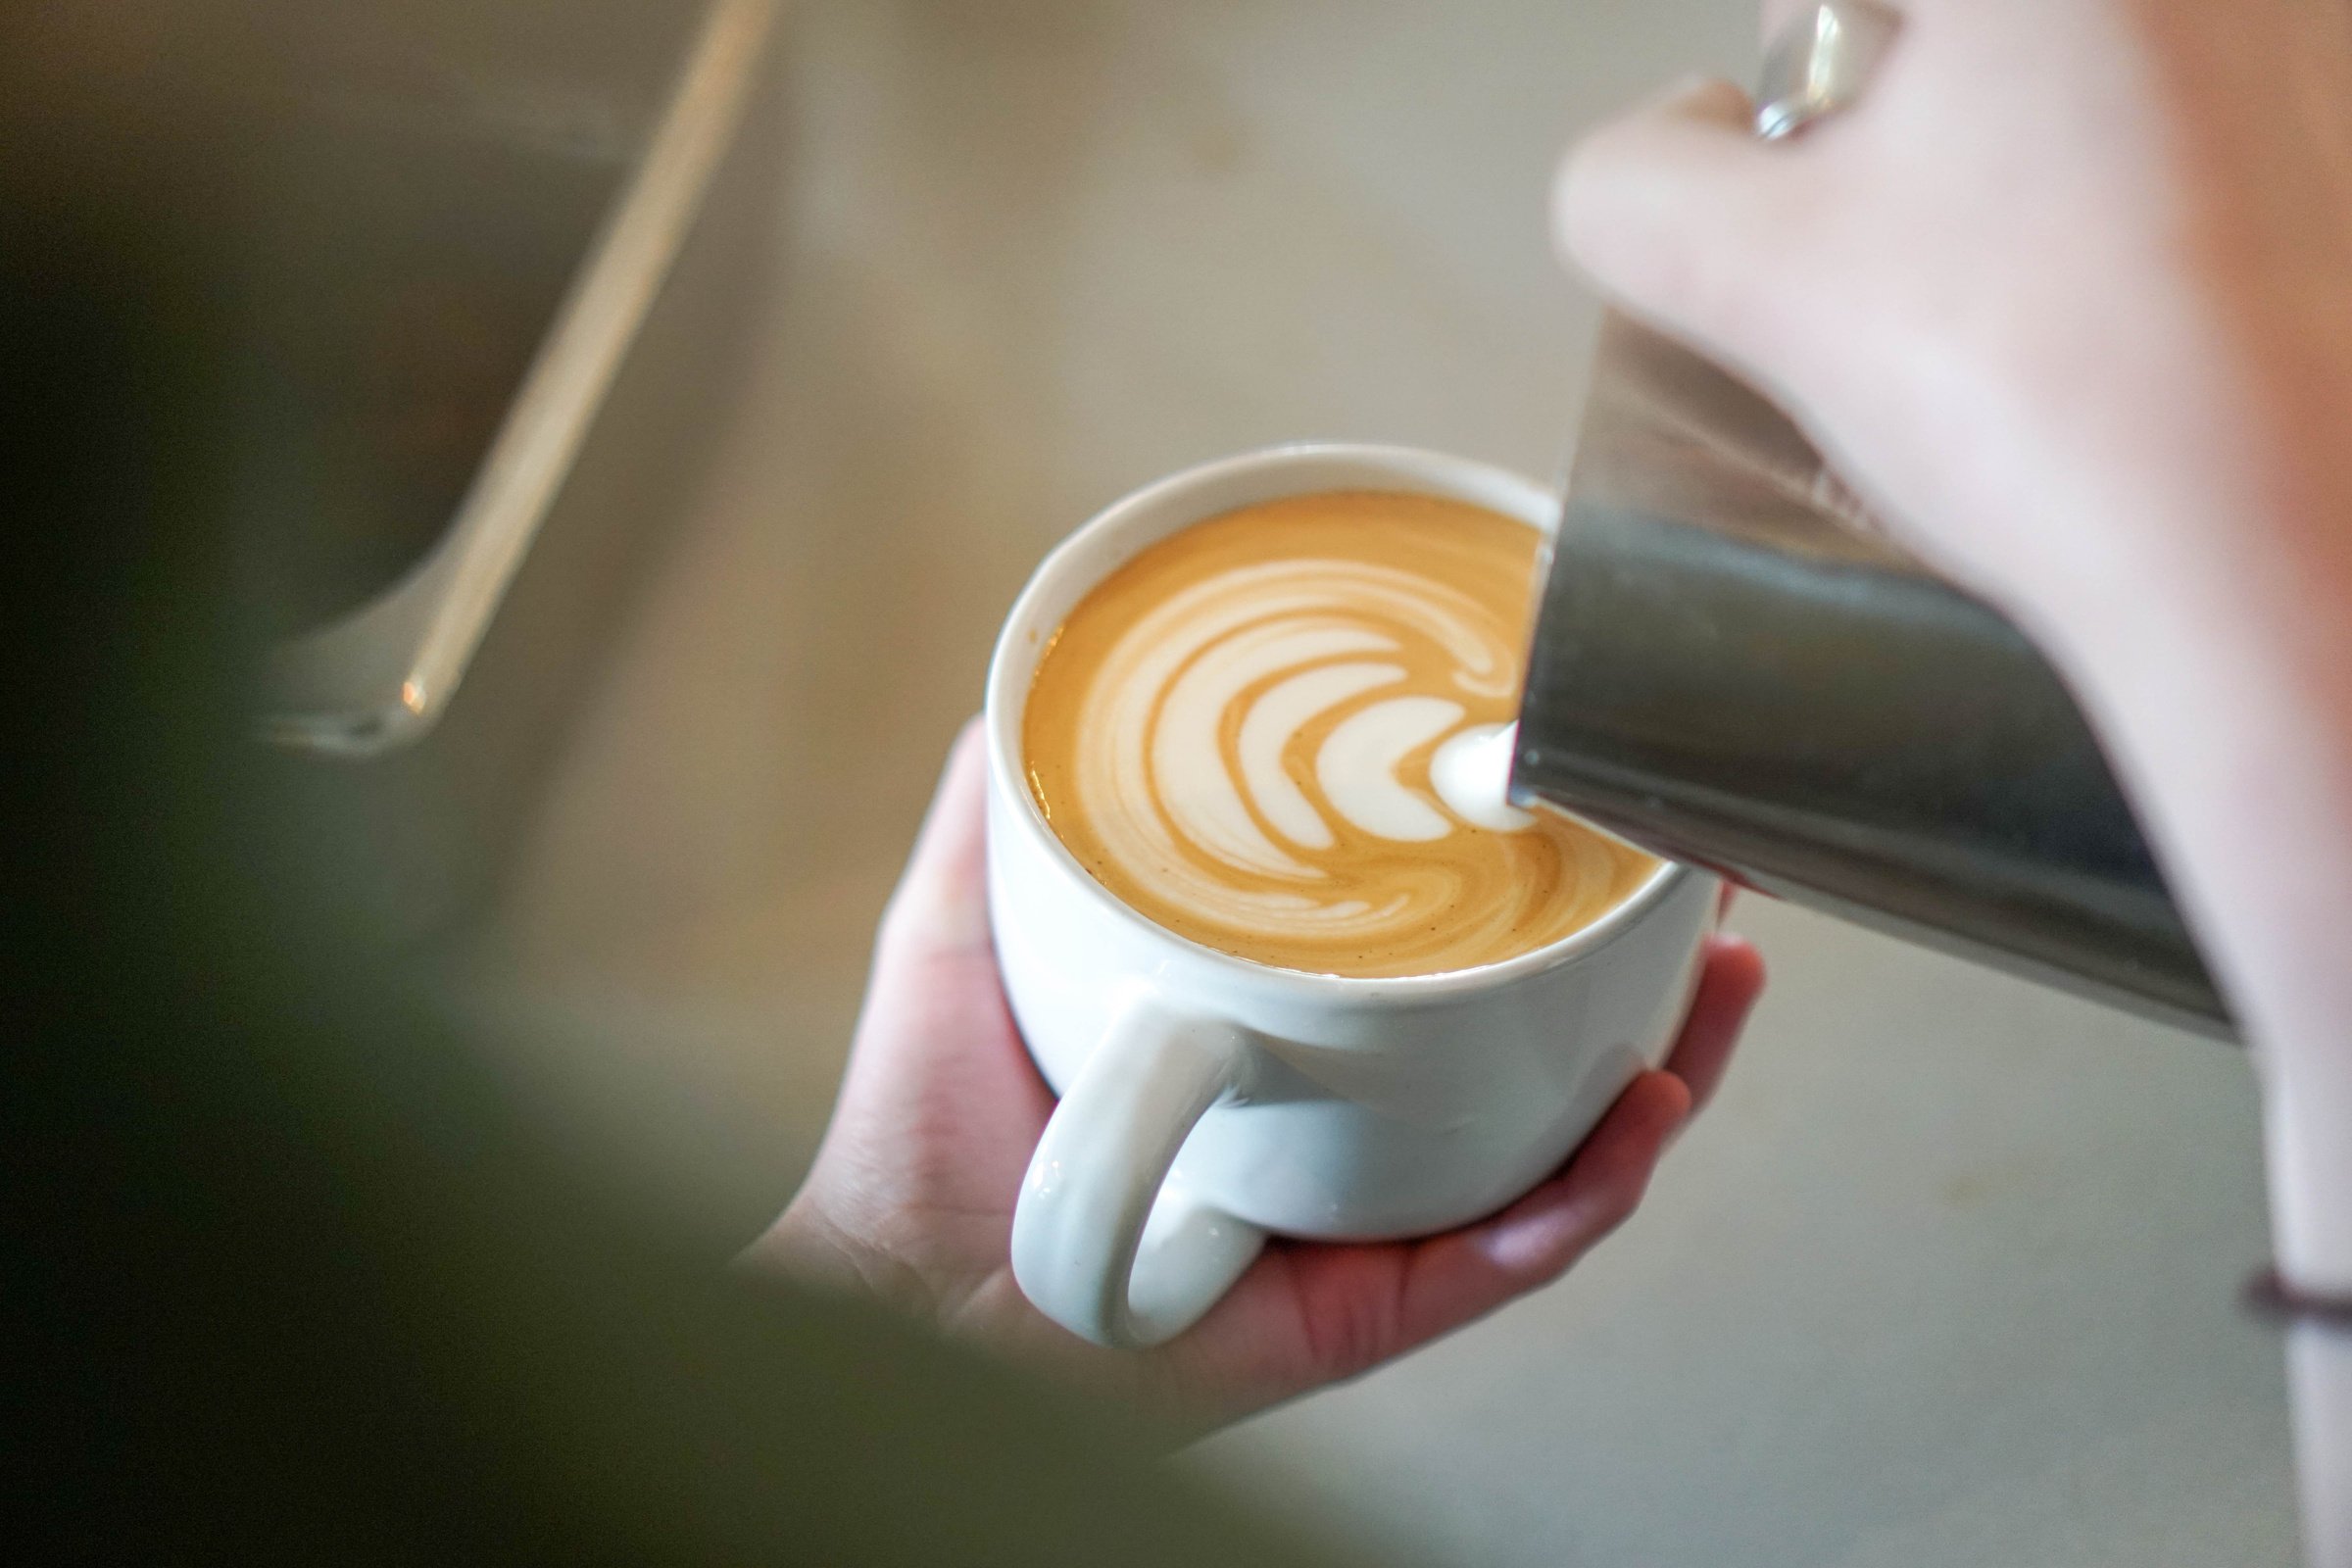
290,1272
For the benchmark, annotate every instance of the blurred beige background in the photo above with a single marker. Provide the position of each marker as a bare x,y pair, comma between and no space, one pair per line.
1947,1277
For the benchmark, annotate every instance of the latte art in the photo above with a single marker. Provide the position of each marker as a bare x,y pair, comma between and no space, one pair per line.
1234,732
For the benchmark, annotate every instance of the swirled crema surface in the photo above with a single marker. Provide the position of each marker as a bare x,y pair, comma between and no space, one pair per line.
1233,734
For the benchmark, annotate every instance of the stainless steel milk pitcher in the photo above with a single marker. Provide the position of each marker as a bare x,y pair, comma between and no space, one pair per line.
1732,668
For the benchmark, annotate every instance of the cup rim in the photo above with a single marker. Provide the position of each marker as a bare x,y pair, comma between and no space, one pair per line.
1409,466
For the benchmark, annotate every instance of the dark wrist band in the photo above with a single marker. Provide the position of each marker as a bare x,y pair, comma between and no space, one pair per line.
2274,1298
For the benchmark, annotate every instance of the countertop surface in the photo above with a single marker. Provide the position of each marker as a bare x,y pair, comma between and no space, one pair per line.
1946,1275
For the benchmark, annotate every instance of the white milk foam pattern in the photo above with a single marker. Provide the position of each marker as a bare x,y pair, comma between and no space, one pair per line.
1280,645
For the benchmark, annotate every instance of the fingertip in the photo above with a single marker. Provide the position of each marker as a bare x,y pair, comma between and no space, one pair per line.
1736,965
967,753
1654,1109
1737,951
1653,1098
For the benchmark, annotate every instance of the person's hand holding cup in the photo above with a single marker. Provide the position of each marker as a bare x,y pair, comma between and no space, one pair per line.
1360,1072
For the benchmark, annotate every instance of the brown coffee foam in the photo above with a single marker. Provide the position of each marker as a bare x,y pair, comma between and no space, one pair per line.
1140,713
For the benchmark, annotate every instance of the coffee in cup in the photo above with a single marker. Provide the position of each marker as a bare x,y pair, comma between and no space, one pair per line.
1234,733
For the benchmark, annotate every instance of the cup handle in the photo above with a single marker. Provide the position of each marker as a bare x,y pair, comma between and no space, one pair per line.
1104,1241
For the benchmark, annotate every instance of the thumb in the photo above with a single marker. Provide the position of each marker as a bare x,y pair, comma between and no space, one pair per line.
1676,210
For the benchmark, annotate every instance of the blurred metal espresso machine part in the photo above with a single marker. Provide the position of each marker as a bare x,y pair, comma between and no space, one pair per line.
1732,668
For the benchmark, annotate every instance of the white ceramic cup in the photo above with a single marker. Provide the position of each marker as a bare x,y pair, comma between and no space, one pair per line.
1208,1101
